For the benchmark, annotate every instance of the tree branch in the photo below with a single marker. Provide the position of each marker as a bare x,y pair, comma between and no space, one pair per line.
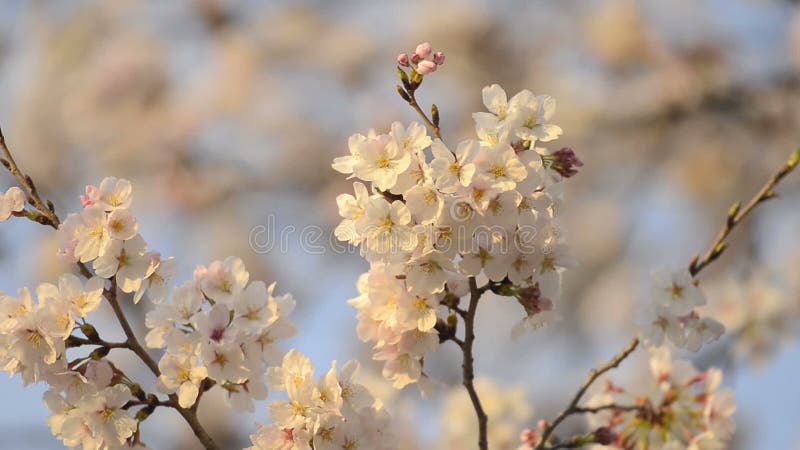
573,408
412,101
468,364
736,214
27,184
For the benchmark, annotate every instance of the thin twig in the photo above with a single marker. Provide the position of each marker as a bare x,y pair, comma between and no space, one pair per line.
27,184
468,364
415,105
611,406
736,214
572,408
98,342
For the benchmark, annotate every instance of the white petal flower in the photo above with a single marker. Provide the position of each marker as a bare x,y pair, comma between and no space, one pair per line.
12,201
222,280
121,225
449,170
382,160
91,234
676,291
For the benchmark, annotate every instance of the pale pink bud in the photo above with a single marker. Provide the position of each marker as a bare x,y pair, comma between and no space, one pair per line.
415,58
528,437
438,58
91,194
86,202
426,67
542,424
200,273
423,50
402,59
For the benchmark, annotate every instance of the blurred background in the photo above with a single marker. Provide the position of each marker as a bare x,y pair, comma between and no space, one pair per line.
227,114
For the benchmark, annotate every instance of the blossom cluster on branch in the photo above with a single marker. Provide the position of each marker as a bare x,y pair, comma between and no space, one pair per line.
218,330
679,407
331,413
432,216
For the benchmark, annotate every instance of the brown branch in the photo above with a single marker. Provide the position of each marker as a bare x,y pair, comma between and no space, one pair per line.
27,184
132,342
573,408
611,406
76,341
412,101
468,364
736,214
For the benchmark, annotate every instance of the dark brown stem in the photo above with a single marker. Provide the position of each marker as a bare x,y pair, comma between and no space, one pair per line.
190,416
468,364
133,343
27,184
75,341
612,407
573,408
737,214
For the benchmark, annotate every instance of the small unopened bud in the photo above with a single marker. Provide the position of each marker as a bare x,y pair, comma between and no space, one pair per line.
564,161
99,353
794,159
415,58
426,67
423,50
137,391
528,437
604,436
142,415
90,332
403,93
542,424
438,58
402,59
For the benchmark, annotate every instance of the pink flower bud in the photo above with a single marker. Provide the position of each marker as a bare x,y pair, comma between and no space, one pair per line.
426,67
438,58
423,50
86,202
528,437
402,59
415,58
542,424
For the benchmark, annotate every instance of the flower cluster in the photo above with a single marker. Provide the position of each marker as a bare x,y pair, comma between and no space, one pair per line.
106,234
670,312
86,395
88,408
680,408
11,202
330,413
219,327
434,216
423,60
